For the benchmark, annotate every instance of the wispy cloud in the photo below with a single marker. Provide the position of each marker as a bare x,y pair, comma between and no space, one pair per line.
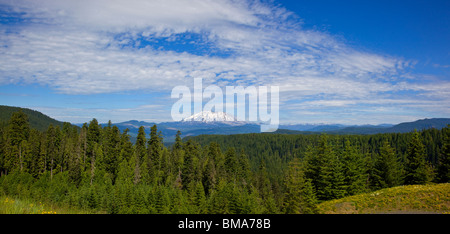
88,47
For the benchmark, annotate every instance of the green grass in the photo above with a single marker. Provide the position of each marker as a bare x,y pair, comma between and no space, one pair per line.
433,198
402,199
9,205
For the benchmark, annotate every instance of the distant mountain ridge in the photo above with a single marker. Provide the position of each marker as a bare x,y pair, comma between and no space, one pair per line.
420,124
194,128
210,124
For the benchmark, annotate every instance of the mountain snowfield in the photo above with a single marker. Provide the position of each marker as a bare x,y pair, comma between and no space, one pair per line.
209,116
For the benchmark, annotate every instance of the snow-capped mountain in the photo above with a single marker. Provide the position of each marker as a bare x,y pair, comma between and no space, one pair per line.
209,116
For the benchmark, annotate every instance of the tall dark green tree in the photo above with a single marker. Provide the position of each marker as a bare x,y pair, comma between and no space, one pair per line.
299,196
231,163
416,168
141,157
53,140
324,169
354,169
93,138
112,152
443,175
155,145
177,153
190,166
17,133
387,169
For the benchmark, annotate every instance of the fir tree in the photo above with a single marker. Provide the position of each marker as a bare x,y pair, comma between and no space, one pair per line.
353,169
324,169
416,168
155,149
444,160
231,163
112,152
299,196
17,133
387,171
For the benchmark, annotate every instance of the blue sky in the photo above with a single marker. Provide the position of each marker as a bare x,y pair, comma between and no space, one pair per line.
348,62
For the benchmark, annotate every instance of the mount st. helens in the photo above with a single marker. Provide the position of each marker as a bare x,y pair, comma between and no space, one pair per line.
209,116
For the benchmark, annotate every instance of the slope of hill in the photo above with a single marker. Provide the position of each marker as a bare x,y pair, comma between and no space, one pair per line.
408,199
37,120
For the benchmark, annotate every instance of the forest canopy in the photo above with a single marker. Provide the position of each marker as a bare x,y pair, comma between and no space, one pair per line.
99,168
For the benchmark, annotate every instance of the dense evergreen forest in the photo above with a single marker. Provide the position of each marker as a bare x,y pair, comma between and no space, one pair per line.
99,168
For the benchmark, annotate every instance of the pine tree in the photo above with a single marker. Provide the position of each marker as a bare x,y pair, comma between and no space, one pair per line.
177,153
325,171
35,146
244,172
231,163
126,147
416,168
198,197
209,175
112,152
299,196
387,171
444,160
189,170
353,169
53,140
140,145
17,133
155,150
93,138
264,188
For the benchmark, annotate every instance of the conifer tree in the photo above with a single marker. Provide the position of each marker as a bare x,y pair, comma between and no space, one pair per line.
93,139
209,175
126,147
53,140
299,196
198,197
264,188
33,159
177,153
444,160
17,133
416,167
387,171
112,152
155,149
324,169
243,168
140,145
231,163
353,169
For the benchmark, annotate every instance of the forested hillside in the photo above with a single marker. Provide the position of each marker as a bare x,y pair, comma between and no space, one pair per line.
100,169
36,119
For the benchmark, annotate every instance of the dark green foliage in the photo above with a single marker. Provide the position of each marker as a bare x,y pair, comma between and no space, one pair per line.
299,196
98,168
387,171
354,169
416,168
444,159
325,171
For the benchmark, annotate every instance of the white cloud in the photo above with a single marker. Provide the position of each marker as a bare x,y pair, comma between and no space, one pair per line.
87,47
